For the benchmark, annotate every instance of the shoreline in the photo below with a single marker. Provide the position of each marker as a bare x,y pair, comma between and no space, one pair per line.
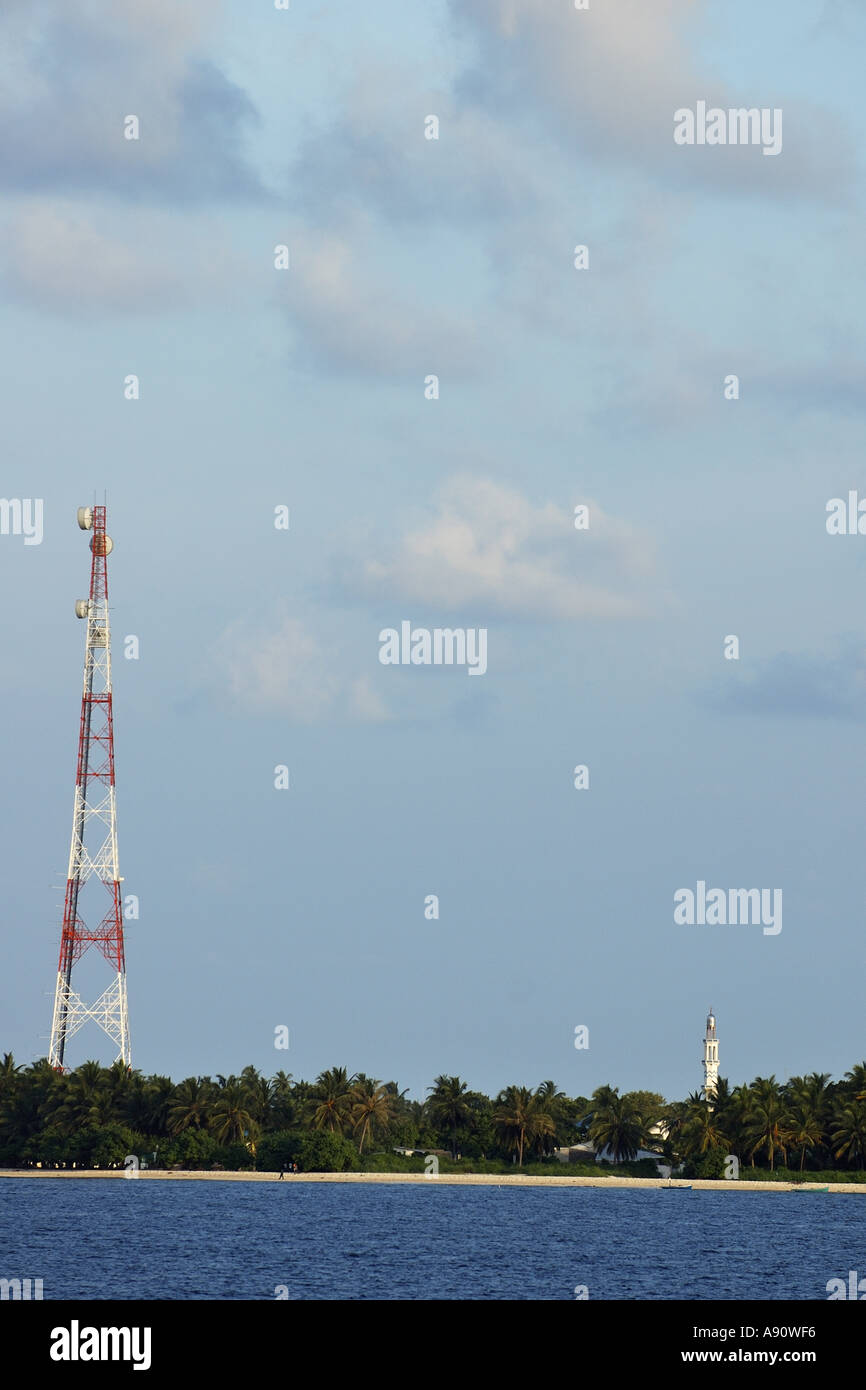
448,1179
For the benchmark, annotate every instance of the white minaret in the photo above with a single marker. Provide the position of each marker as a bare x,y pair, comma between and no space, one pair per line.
711,1057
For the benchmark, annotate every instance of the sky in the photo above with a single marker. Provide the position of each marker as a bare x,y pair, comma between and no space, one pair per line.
307,908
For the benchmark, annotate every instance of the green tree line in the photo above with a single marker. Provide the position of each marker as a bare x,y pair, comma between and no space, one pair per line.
97,1116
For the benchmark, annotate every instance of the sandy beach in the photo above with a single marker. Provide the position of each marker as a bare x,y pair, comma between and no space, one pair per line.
460,1179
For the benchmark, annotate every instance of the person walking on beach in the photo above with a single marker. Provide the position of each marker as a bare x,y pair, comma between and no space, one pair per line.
282,1171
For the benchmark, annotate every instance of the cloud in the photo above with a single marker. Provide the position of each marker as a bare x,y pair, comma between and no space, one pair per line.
56,259
485,547
608,81
349,317
838,387
684,376
489,547
365,704
800,686
374,154
71,74
535,134
285,668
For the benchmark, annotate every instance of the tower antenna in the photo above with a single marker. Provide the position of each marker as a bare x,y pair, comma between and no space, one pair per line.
93,850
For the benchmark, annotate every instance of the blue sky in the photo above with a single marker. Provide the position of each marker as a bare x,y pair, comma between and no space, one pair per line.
305,387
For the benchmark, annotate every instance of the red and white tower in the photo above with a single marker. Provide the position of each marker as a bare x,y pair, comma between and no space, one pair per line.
93,852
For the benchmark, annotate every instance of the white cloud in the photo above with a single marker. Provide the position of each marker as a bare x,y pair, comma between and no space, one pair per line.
489,546
365,703
70,74
374,154
350,317
609,79
285,668
56,256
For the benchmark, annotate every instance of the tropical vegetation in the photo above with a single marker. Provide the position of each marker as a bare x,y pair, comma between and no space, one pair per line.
103,1117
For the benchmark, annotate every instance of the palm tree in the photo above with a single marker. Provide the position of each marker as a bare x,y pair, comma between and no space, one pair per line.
812,1089
89,1075
849,1132
282,1100
137,1109
8,1085
721,1099
117,1080
768,1127
158,1095
551,1102
190,1104
74,1100
806,1129
513,1118
809,1102
616,1124
521,1118
260,1093
602,1096
447,1106
702,1128
331,1100
855,1081
8,1070
673,1119
25,1111
230,1118
738,1119
105,1108
372,1107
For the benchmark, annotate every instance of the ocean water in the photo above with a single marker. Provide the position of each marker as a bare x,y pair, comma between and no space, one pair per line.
125,1239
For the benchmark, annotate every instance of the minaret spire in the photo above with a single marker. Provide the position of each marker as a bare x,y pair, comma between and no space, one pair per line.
711,1057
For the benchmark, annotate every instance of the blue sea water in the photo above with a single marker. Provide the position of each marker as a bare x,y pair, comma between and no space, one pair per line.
90,1239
